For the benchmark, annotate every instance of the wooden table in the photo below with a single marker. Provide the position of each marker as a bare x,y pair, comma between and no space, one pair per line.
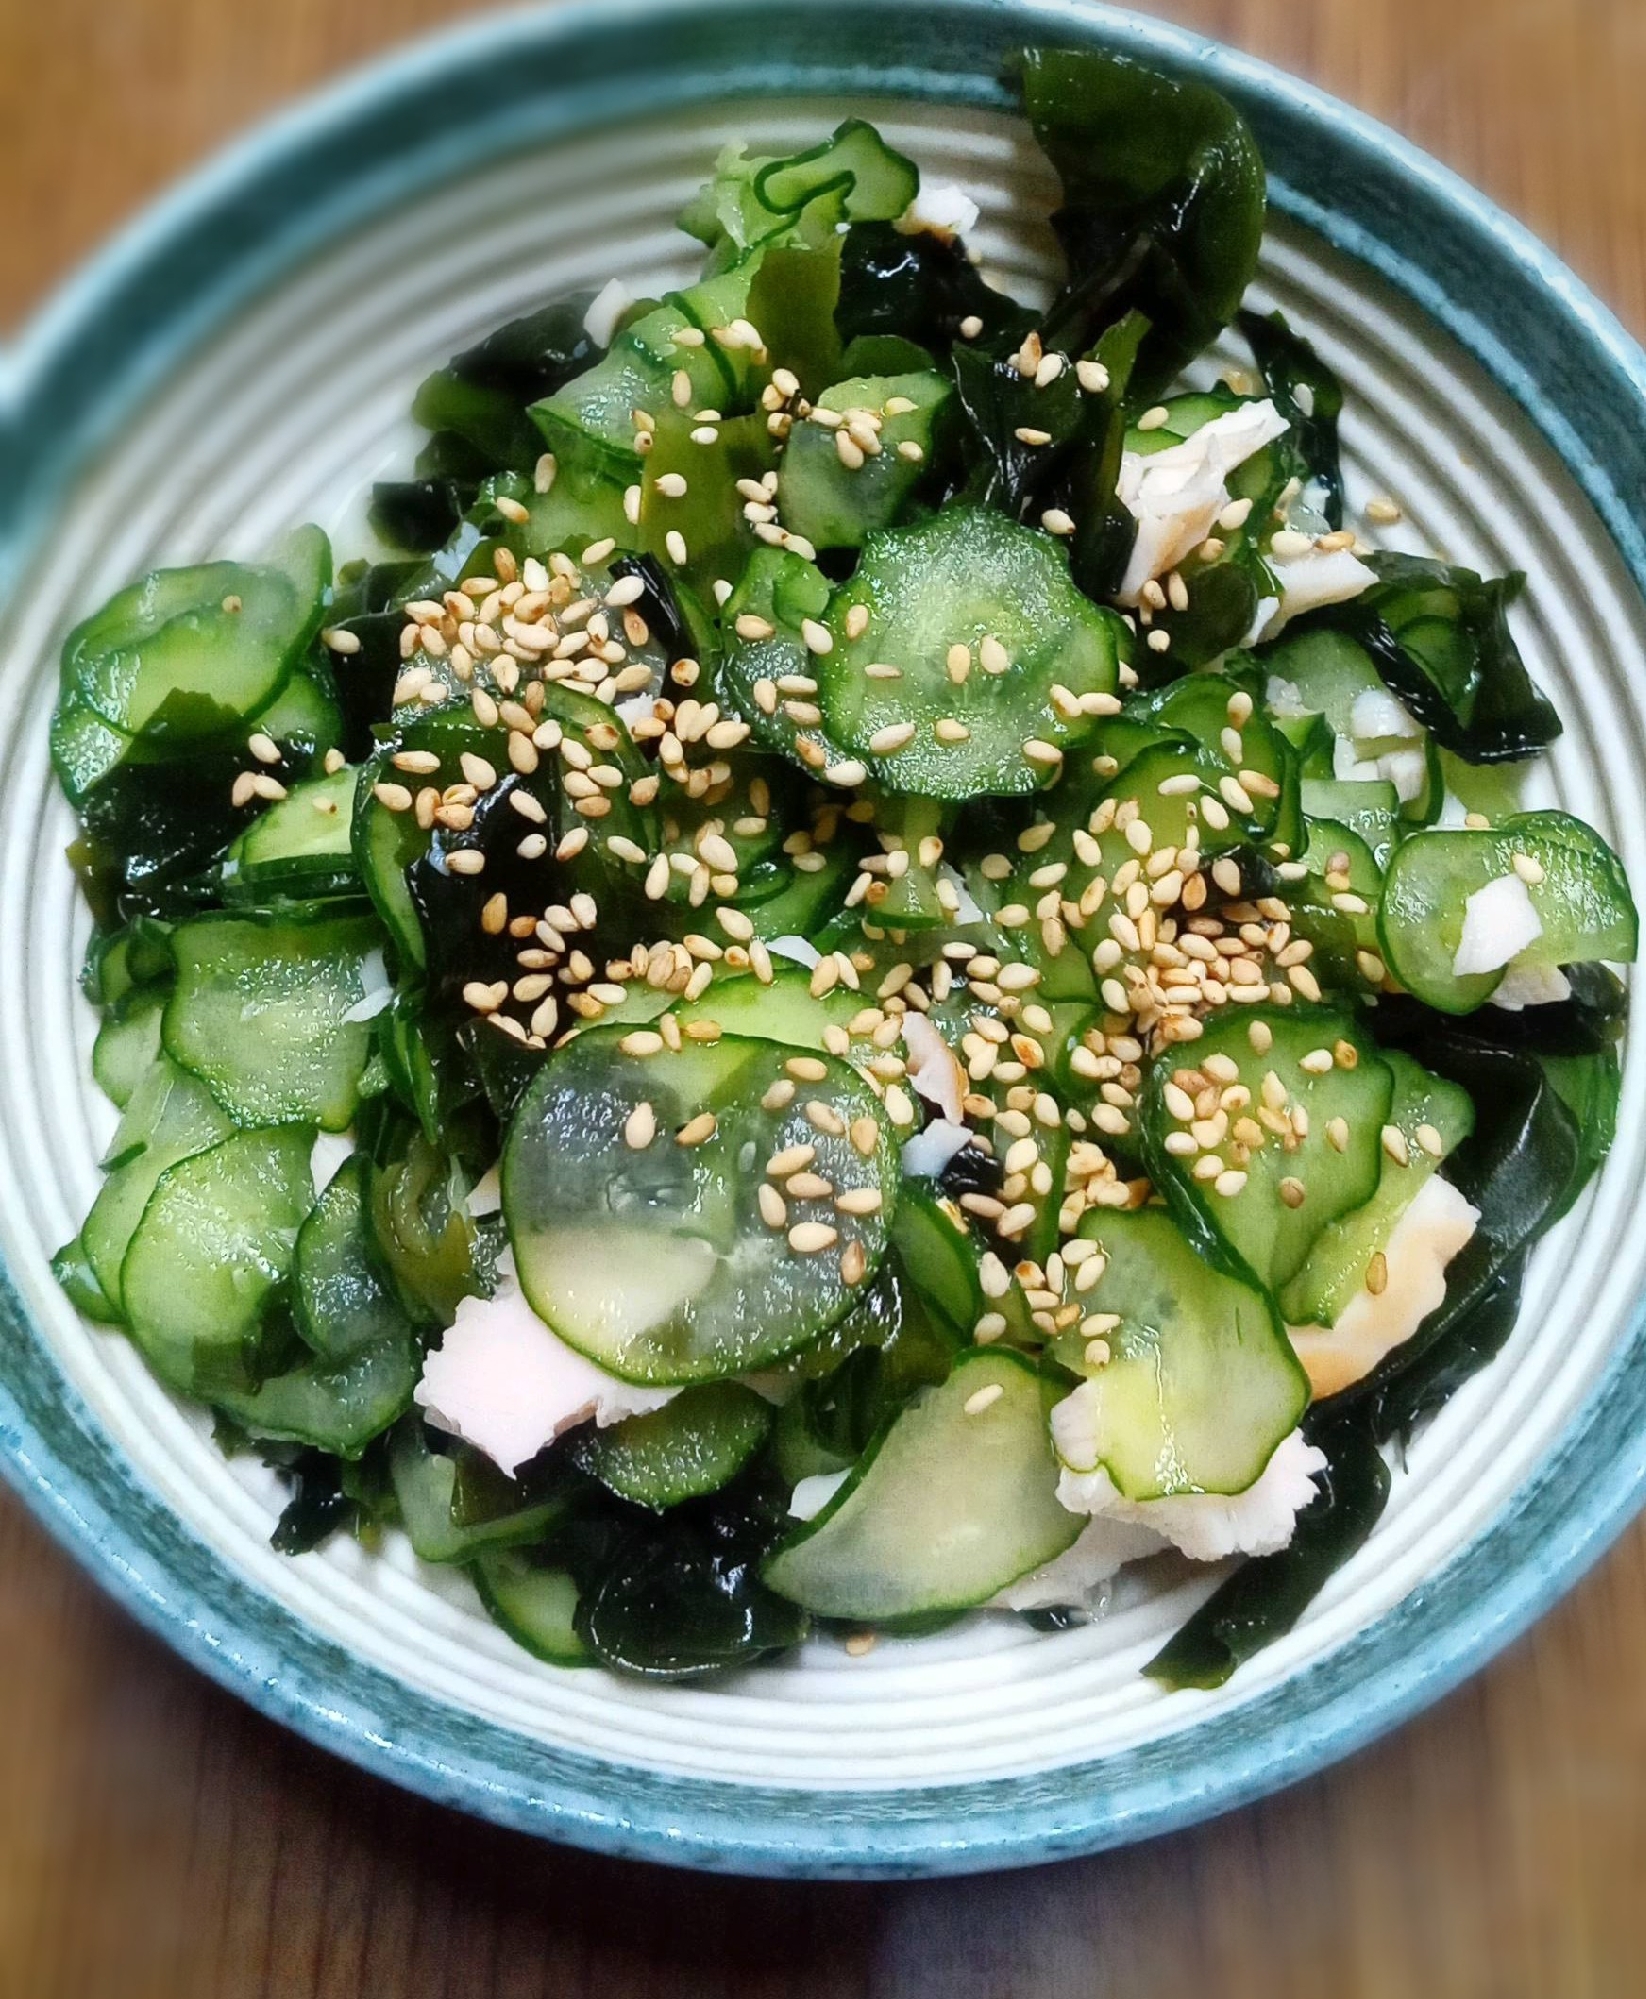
155,1836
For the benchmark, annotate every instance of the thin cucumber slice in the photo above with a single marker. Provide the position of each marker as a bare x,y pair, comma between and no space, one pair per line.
1335,677
170,1116
127,1044
84,748
1193,1381
653,1257
341,1305
189,654
78,1280
422,1230
444,1519
1576,884
935,1252
696,1443
954,1500
1433,1117
534,1602
300,847
214,1244
1370,810
268,1014
785,1011
339,1409
967,580
836,504
1290,1143
1172,791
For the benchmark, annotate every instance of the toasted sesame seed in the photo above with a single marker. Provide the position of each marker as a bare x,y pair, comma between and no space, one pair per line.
1234,516
1377,1274
808,1238
640,1128
884,741
1529,870
695,1130
1394,1144
1384,511
860,1201
947,730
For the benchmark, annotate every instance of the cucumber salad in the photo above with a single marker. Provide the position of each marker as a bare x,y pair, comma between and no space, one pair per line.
876,962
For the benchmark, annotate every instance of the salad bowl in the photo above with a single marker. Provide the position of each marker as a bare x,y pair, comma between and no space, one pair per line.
240,360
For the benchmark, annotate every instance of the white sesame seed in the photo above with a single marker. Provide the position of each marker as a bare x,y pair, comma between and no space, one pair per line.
984,1398
640,1128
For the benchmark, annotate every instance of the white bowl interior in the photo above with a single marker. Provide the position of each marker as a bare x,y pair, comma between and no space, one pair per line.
288,414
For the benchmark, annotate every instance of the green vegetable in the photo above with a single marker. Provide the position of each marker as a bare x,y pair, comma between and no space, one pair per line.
1163,203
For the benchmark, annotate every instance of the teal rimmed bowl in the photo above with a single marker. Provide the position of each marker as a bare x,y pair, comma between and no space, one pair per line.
242,358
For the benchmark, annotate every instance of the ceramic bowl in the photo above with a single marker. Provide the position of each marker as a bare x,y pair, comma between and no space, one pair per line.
243,358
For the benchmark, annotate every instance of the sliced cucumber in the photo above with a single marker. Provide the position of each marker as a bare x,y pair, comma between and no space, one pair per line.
1576,884
785,1011
170,1116
341,1305
534,1602
1433,1117
696,1443
1370,810
73,1271
300,847
339,1408
935,1252
1337,678
214,1244
1193,1387
836,504
1294,1140
969,578
262,1014
654,1258
127,1043
452,1506
189,654
955,1499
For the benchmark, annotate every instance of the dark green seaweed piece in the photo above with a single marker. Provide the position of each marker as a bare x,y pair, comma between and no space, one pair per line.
1439,636
1163,204
680,1594
1266,1596
1308,394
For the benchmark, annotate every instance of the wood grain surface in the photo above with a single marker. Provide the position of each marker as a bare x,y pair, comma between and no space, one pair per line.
156,1837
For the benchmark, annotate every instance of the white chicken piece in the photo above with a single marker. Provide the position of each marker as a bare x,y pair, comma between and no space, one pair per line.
1207,1526
504,1382
1499,922
1074,1578
1315,577
326,1157
1421,1244
606,308
812,1494
934,1068
929,1151
1531,985
1176,495
943,209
